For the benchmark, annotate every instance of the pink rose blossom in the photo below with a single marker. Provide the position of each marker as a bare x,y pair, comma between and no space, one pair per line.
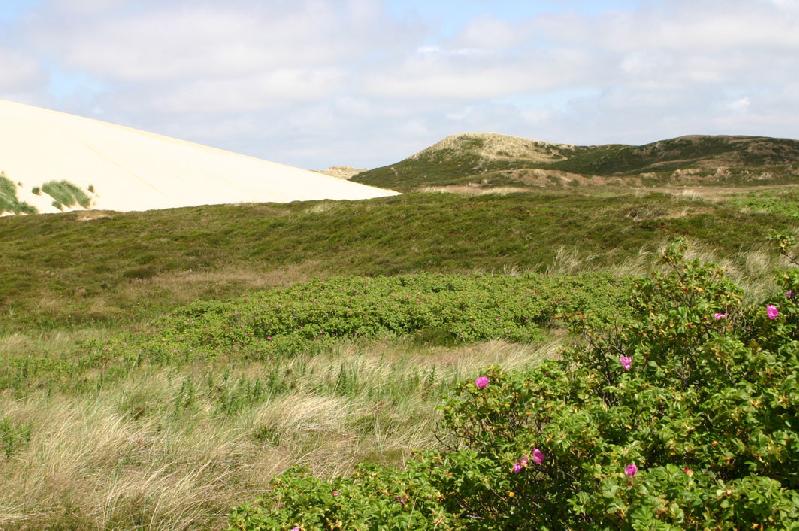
631,470
482,382
772,311
626,362
520,465
538,456
719,316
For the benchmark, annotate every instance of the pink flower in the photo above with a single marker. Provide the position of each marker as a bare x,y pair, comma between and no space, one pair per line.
295,528
631,470
482,382
772,311
520,465
626,362
789,294
538,456
335,493
719,316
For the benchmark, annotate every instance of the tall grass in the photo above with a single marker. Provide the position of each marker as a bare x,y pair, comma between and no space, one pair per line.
66,194
9,203
176,448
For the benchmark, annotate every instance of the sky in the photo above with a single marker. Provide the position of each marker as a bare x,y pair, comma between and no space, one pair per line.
365,83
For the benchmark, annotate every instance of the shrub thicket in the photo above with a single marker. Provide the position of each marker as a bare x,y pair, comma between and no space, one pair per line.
438,309
686,416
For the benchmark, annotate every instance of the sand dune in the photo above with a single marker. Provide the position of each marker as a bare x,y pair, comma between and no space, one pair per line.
133,170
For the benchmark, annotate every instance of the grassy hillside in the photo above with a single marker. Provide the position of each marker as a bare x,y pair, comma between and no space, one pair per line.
495,160
73,269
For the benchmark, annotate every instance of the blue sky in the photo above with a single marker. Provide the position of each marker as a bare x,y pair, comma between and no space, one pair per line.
366,82
12,9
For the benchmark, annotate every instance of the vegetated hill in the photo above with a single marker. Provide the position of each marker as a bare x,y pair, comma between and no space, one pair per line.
83,267
492,160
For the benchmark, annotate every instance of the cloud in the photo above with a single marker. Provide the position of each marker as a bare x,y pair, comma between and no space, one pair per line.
317,82
740,105
18,71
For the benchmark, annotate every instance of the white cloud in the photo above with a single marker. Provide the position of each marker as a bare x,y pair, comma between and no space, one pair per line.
18,72
317,82
740,105
492,34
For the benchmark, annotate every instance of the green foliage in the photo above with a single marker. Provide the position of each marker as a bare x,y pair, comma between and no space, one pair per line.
708,411
66,194
13,436
781,204
443,309
373,498
99,272
8,198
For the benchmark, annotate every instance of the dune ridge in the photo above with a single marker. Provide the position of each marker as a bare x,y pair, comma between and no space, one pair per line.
125,169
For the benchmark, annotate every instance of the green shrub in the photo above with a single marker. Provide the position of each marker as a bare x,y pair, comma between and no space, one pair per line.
8,198
13,436
66,194
685,416
446,309
373,498
783,204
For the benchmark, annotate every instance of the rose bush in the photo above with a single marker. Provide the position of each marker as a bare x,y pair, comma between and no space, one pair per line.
677,418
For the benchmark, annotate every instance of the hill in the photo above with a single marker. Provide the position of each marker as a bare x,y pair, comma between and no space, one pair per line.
53,161
85,267
492,160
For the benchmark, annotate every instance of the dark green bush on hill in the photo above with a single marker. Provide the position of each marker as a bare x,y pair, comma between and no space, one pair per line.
686,416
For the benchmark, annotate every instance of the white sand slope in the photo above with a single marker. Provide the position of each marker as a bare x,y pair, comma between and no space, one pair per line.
133,170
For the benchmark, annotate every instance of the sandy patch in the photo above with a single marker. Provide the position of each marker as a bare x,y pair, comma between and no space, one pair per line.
124,169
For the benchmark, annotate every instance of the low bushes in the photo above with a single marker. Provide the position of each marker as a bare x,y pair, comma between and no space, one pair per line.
685,416
446,309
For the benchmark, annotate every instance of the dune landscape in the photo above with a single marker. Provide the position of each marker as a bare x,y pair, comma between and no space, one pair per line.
548,280
123,169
